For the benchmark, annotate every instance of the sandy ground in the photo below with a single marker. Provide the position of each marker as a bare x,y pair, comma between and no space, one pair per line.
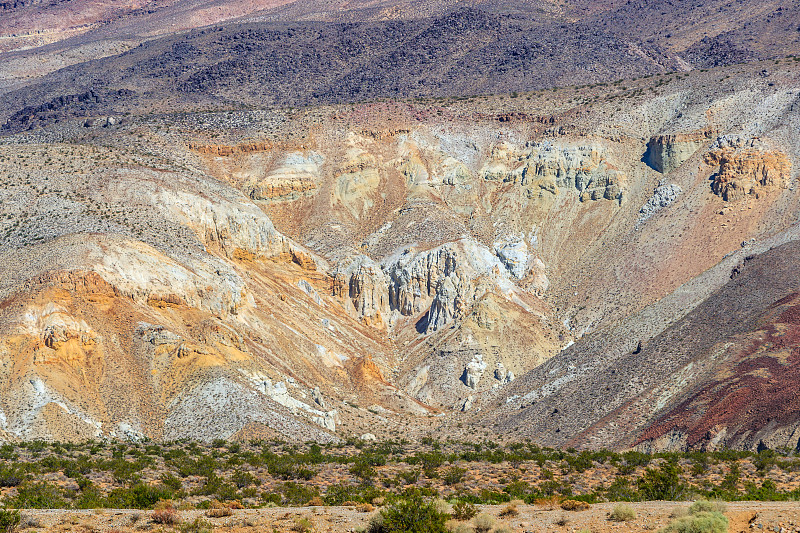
743,516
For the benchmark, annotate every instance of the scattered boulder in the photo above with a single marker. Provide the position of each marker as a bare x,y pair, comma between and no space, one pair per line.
473,371
468,403
316,395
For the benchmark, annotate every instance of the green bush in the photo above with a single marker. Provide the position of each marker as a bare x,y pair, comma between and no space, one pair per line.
338,494
271,498
621,491
410,515
464,510
9,520
454,475
662,484
296,494
702,522
244,479
41,495
11,476
140,496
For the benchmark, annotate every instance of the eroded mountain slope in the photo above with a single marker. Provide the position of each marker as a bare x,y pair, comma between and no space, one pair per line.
381,267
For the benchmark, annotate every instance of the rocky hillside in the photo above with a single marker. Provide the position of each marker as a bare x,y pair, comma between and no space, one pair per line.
606,263
192,54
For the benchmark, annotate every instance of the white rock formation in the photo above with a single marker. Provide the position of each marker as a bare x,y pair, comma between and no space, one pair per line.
513,252
663,196
468,403
474,371
502,375
365,289
444,280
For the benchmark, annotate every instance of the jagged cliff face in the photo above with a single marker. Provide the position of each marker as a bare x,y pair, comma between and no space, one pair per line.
366,267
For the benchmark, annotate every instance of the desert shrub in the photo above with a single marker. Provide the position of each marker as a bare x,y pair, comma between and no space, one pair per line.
511,510
244,479
226,491
631,460
11,476
8,452
41,495
198,525
168,516
622,513
30,522
442,506
412,514
621,490
453,475
140,496
502,529
701,522
338,494
454,526
171,482
708,506
662,484
9,520
731,480
303,524
551,502
768,491
203,466
464,510
271,498
428,460
574,505
409,477
764,460
90,498
296,494
362,470
483,522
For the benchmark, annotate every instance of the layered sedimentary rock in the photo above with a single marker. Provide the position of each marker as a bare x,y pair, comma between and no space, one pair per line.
296,176
447,280
550,166
665,153
361,283
747,168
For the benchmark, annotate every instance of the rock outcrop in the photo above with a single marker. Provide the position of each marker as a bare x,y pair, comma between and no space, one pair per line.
356,182
665,153
295,177
364,288
747,168
513,252
663,196
447,280
474,371
550,166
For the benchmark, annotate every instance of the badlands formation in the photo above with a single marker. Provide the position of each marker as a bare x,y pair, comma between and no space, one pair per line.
611,264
